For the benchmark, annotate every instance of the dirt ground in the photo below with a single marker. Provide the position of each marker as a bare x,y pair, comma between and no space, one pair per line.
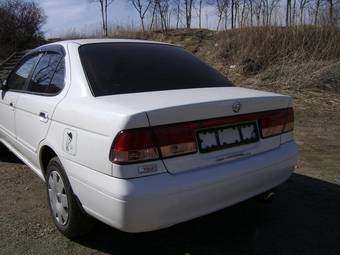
304,218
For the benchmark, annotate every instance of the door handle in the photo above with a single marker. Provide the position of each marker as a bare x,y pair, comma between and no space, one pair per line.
43,116
11,106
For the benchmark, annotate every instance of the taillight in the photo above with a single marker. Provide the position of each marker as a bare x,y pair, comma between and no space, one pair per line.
276,122
133,146
144,144
175,140
151,143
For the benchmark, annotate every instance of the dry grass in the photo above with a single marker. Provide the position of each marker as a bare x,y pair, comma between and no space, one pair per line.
278,45
295,57
274,57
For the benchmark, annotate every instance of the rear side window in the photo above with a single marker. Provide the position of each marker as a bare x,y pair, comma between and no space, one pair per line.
57,82
18,78
119,68
47,68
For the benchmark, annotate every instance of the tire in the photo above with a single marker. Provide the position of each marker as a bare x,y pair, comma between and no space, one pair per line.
67,214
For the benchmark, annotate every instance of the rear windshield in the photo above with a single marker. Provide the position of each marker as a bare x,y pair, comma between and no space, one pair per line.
120,68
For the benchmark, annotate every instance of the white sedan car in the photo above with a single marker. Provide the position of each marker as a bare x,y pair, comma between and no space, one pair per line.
141,135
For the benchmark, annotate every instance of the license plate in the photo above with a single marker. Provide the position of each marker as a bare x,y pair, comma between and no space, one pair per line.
219,138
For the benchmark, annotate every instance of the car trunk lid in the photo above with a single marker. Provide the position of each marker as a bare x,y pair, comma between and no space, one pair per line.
210,105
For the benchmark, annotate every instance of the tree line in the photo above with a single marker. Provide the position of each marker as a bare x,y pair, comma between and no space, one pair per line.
20,25
229,14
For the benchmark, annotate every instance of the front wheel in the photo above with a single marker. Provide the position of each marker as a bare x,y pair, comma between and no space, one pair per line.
67,215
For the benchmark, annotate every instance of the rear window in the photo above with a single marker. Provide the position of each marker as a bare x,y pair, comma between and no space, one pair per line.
120,68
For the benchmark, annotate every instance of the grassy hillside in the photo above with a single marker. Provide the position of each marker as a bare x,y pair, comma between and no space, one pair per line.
295,58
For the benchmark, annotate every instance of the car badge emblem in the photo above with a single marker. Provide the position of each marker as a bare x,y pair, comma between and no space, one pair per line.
236,107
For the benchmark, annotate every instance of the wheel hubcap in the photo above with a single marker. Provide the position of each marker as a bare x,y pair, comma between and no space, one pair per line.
58,197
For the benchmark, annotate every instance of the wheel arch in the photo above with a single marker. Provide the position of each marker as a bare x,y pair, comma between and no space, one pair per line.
46,153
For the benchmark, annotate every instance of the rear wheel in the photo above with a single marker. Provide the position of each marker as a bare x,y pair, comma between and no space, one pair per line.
66,212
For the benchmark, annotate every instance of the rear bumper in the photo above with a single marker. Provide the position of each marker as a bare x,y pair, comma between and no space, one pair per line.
158,201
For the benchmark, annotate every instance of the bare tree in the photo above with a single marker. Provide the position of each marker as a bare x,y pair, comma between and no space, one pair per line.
288,12
177,10
251,6
141,6
189,4
220,7
154,14
273,6
232,14
104,4
258,11
331,12
265,12
244,8
294,13
163,8
200,4
236,12
226,16
302,6
316,11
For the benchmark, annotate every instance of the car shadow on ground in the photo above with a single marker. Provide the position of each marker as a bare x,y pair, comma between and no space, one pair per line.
8,157
304,218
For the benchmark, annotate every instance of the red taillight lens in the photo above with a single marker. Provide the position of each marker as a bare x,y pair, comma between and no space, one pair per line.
143,144
176,140
276,122
134,146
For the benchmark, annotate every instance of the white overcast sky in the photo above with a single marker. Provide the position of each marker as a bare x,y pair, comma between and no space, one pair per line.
64,16
83,16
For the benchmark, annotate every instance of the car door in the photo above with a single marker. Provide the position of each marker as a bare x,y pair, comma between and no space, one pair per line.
35,107
15,85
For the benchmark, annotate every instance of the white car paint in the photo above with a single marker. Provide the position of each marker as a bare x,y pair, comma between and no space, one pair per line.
183,187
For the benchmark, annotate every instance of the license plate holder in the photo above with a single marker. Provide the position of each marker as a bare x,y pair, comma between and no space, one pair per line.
222,137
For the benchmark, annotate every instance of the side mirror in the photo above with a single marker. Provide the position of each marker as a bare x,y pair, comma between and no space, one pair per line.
3,85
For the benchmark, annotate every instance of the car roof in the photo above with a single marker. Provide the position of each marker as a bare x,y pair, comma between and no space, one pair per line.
92,41
56,46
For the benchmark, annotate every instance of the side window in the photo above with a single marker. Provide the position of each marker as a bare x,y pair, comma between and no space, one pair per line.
17,79
44,72
57,82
